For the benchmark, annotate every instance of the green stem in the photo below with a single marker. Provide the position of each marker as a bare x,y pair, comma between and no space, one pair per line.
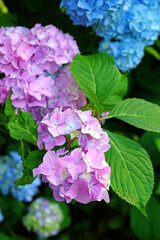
22,149
107,117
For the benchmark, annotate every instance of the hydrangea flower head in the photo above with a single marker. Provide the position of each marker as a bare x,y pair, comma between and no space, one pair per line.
126,56
11,170
88,13
80,173
32,61
44,218
120,23
37,50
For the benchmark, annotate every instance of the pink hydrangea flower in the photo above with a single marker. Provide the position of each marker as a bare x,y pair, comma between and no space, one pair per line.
32,61
52,167
85,175
74,122
39,48
4,92
70,177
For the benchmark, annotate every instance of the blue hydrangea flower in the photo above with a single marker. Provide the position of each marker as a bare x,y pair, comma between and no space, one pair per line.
143,21
116,20
1,216
44,218
11,170
126,56
26,193
83,12
90,12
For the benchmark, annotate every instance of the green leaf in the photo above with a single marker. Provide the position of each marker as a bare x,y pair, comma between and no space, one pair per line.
97,76
24,127
139,113
147,228
153,52
132,175
26,178
3,7
9,109
34,159
119,92
30,160
24,150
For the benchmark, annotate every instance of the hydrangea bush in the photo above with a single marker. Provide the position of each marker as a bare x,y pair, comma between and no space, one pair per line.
74,163
67,116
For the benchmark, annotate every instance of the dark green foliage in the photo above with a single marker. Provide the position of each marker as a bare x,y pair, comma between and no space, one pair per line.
147,228
26,178
9,109
98,77
131,171
34,159
8,20
23,127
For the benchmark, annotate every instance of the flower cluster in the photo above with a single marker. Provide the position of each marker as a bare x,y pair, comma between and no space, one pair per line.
10,170
128,23
44,218
127,52
32,61
81,173
1,216
88,13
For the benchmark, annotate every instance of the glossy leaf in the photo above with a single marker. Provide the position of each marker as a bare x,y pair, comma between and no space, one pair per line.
131,171
139,113
23,128
97,76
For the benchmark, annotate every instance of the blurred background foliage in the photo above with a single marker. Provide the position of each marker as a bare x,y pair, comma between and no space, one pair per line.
98,220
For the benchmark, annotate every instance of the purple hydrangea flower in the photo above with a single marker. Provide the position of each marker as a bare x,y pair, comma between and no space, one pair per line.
32,61
76,175
37,50
81,173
